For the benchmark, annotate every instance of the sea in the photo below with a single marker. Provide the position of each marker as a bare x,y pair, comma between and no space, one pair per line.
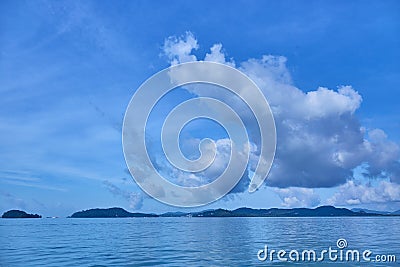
201,241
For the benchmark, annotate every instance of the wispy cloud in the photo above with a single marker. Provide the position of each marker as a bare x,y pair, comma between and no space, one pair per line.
26,179
13,201
135,200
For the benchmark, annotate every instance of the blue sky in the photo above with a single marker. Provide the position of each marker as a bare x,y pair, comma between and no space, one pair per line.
68,70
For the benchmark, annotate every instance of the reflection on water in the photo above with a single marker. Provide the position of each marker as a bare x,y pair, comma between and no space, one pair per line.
187,241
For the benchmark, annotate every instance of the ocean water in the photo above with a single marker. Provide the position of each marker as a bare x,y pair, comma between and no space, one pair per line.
192,241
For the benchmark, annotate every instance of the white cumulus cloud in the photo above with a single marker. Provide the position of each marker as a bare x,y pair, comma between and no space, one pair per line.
178,50
320,138
298,197
354,193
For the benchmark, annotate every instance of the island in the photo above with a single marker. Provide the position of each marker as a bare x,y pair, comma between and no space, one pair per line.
109,213
323,211
19,214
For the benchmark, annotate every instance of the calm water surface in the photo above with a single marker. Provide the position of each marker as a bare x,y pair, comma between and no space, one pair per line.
188,241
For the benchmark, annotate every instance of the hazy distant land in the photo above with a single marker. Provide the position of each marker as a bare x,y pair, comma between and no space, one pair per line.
322,211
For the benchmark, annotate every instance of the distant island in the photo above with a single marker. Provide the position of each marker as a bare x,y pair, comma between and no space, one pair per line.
323,211
19,214
109,213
